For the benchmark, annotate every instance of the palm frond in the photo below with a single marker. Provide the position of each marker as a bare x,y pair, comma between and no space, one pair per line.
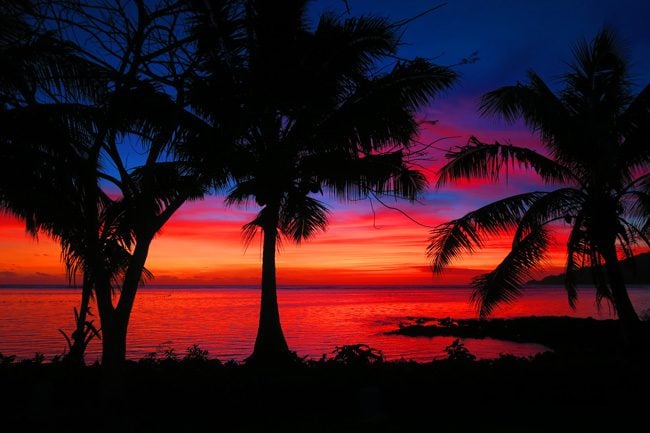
242,192
631,234
349,48
540,108
163,182
379,112
264,219
45,69
416,82
560,203
144,109
408,184
487,161
639,211
301,217
64,130
350,177
211,149
635,129
600,71
599,276
449,240
250,230
503,285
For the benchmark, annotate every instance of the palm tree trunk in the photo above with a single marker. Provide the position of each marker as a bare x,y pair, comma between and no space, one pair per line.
114,341
622,303
78,347
111,347
115,320
628,319
270,345
133,276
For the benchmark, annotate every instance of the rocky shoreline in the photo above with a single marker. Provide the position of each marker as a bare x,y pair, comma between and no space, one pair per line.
562,334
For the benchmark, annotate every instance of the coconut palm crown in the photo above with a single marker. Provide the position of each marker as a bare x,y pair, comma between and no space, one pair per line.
596,138
310,111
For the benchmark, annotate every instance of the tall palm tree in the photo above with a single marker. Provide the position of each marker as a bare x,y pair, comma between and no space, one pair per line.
42,82
42,184
141,49
105,232
309,111
596,135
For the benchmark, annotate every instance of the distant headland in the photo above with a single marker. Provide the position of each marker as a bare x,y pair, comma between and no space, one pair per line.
636,270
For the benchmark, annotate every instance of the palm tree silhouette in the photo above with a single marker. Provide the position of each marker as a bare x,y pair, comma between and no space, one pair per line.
97,97
595,132
308,112
44,159
145,105
51,199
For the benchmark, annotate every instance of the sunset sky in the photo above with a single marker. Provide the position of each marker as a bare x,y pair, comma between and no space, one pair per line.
202,243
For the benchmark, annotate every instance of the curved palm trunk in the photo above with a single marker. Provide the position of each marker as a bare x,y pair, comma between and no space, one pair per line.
624,308
115,320
114,341
627,316
113,351
270,345
80,338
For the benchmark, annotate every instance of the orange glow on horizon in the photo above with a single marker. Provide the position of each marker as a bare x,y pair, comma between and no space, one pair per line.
26,260
202,243
357,249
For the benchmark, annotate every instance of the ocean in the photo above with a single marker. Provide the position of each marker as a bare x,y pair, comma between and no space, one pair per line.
223,320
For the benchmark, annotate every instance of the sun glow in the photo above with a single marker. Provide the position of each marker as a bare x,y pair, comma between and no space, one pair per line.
202,244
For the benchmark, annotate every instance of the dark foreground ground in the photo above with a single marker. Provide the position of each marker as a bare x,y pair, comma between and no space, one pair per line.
575,391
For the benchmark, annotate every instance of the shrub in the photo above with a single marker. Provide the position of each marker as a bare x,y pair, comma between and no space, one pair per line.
195,354
6,360
358,354
457,351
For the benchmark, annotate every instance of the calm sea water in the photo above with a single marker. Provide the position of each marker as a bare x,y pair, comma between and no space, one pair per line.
223,320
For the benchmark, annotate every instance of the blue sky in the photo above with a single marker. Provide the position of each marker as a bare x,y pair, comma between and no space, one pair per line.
510,38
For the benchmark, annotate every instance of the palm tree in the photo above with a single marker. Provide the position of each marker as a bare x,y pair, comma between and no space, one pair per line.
41,82
74,153
596,136
145,71
309,111
37,188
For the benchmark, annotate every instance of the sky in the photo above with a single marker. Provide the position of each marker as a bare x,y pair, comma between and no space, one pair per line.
367,243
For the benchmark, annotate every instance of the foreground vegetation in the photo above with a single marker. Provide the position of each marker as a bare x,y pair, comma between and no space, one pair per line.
352,389
547,393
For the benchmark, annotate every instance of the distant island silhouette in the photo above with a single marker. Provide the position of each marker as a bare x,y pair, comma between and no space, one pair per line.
636,270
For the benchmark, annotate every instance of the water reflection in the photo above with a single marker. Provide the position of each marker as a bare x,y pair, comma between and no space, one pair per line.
315,321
